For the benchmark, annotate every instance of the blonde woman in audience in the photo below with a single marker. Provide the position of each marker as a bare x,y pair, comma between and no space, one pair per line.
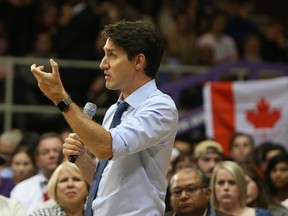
68,189
228,187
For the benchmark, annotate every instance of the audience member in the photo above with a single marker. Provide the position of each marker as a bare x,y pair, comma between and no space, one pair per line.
182,161
6,184
23,163
68,189
8,142
223,46
23,167
258,194
190,194
229,194
239,24
276,175
19,24
76,41
252,49
47,17
274,42
207,154
181,43
185,147
265,151
10,207
32,192
240,146
43,46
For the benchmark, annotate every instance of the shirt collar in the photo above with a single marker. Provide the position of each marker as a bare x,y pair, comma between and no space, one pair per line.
140,94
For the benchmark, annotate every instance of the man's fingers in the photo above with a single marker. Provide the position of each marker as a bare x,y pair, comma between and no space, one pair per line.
74,136
55,68
37,71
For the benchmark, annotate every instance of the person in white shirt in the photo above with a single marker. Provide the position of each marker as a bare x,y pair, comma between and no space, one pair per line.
32,192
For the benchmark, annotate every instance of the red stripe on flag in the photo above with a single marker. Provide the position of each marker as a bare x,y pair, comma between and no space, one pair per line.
223,113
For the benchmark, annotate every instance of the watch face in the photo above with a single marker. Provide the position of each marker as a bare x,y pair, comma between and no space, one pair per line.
64,104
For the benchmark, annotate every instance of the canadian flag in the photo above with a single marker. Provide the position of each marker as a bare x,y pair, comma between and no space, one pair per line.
259,108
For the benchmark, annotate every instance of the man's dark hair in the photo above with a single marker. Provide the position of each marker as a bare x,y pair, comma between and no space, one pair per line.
281,158
204,180
135,38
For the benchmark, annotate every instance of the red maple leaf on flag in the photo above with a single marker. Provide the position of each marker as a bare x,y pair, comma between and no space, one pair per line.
263,117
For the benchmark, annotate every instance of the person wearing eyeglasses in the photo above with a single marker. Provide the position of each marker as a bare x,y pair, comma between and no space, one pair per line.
190,194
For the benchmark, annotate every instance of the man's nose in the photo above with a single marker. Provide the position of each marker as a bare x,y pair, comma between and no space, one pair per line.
104,64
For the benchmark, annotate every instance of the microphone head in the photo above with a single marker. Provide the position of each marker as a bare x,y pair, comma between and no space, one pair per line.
90,109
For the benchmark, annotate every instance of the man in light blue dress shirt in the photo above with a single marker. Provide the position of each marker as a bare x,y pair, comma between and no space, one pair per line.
138,149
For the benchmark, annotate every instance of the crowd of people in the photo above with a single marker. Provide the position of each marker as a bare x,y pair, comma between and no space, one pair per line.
36,179
247,181
129,154
196,33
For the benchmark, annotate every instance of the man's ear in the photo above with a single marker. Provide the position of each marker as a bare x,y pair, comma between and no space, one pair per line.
208,192
139,61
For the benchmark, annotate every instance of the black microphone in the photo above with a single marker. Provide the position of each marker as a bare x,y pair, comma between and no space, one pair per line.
89,110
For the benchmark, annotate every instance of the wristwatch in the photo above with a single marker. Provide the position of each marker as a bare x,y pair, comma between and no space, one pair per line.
64,104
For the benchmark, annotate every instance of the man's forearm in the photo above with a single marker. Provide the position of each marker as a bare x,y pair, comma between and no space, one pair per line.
97,139
87,166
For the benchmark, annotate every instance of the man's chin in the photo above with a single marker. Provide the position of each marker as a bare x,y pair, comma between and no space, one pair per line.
110,87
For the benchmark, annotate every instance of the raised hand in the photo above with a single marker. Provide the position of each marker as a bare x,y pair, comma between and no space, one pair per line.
50,82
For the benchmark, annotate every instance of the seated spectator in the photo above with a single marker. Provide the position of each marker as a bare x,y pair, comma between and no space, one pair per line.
10,207
23,167
6,184
32,192
183,146
274,42
258,194
69,190
265,151
252,49
229,194
207,154
190,194
239,22
43,45
240,146
23,164
9,140
178,161
223,46
182,161
277,176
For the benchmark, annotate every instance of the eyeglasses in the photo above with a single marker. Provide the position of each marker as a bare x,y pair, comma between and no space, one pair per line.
190,189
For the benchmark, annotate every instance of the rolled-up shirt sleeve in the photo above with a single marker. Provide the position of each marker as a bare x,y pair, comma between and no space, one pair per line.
145,124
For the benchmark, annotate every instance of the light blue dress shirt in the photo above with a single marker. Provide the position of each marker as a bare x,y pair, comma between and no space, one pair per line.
134,183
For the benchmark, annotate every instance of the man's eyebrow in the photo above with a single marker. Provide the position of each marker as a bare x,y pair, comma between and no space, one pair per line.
108,49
